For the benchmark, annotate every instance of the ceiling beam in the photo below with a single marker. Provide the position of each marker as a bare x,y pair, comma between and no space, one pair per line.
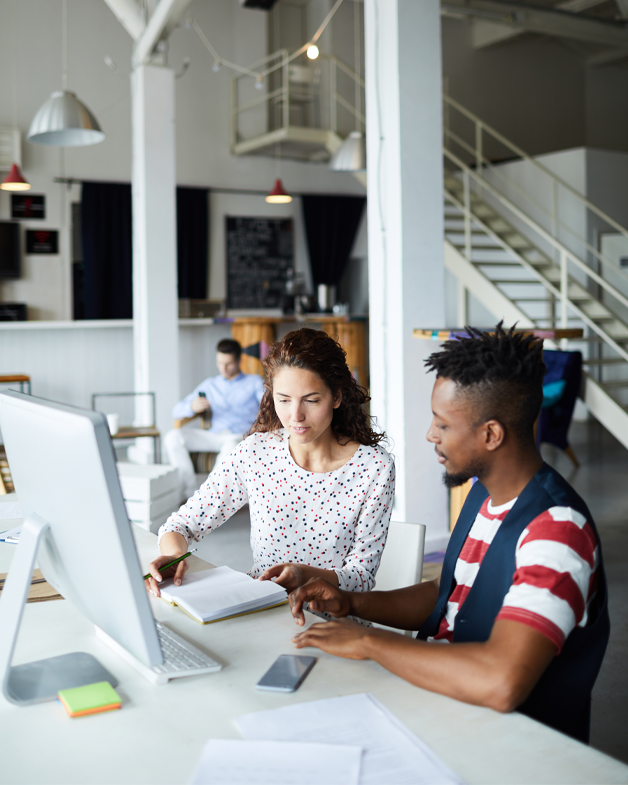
130,15
162,22
605,57
484,33
546,21
578,6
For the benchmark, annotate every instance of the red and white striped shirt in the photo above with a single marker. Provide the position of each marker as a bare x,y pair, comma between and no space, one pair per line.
556,571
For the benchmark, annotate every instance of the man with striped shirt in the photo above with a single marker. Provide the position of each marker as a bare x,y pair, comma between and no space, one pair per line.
523,583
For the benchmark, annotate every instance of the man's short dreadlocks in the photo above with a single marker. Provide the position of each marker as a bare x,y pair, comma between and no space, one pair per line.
500,373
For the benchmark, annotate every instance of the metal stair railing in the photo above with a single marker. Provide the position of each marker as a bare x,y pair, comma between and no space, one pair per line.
277,67
481,128
565,254
477,150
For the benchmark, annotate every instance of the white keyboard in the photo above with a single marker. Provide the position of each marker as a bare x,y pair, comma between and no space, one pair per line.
180,657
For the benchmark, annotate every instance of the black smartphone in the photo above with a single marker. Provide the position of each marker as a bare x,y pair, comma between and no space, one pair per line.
202,395
287,673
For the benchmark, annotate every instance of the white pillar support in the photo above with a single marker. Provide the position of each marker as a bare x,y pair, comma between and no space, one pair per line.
155,308
406,252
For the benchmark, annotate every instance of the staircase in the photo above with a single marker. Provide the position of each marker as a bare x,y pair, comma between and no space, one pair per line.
524,265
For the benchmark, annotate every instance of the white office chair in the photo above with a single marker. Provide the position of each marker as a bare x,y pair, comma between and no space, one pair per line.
402,561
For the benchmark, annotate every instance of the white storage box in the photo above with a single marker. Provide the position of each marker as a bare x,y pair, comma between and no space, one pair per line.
153,524
145,510
145,482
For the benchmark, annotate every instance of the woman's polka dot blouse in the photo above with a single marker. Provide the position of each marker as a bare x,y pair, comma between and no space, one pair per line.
335,521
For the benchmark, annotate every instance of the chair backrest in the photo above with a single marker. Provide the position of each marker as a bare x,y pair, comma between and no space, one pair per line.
402,561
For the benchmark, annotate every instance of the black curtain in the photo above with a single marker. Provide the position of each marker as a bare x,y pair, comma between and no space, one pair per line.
106,220
192,241
107,228
331,224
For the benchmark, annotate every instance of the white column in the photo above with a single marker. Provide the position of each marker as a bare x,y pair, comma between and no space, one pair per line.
155,308
405,229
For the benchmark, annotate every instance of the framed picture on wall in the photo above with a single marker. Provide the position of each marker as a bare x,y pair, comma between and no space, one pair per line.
42,241
28,206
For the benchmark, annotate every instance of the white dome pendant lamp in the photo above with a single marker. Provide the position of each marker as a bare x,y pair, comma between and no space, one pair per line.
63,120
351,155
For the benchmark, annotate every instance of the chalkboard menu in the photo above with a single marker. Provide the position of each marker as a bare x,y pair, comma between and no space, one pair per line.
259,253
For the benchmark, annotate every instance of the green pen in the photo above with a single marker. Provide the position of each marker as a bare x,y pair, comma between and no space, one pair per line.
176,561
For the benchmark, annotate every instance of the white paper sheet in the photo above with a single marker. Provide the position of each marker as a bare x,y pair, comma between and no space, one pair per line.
10,510
391,752
11,535
235,762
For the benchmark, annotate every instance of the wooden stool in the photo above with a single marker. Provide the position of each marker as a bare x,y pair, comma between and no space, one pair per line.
17,377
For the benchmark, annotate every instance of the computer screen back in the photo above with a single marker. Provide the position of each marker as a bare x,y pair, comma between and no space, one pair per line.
64,470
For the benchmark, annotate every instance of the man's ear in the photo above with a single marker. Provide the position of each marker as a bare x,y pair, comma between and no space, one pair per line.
494,435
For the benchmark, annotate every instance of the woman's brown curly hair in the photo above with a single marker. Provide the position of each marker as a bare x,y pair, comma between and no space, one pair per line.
315,351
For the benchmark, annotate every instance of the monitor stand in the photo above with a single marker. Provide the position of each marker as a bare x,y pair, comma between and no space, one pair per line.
39,681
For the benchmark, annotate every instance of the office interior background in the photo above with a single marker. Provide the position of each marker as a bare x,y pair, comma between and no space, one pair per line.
555,91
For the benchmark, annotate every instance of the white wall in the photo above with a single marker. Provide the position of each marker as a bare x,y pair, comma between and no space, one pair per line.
607,107
531,89
202,118
537,91
70,361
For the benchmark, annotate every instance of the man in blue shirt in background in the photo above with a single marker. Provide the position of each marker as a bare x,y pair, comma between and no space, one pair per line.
231,399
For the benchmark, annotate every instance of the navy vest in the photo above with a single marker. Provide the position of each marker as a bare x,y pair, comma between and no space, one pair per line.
562,696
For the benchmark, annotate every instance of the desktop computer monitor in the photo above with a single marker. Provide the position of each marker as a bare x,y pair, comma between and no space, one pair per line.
64,469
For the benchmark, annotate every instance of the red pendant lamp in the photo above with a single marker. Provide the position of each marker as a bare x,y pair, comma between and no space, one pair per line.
15,181
278,195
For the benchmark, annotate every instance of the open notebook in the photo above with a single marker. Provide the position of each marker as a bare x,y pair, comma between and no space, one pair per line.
219,593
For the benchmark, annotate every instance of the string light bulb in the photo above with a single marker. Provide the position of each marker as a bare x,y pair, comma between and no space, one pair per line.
312,51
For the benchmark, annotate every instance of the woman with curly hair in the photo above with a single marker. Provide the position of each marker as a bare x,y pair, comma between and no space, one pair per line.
318,484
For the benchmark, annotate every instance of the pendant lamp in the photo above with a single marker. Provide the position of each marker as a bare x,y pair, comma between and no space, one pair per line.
278,195
64,121
15,181
351,155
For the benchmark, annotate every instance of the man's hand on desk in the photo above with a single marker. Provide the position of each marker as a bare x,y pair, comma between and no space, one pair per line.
343,638
200,405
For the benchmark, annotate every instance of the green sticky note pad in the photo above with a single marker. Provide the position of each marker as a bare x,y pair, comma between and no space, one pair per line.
90,699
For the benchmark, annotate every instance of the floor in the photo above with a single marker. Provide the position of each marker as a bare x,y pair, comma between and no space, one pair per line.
602,480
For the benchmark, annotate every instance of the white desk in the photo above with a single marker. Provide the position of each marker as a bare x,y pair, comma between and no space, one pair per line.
158,735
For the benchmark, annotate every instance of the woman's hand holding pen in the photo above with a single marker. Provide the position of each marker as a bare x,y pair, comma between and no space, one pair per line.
177,572
173,546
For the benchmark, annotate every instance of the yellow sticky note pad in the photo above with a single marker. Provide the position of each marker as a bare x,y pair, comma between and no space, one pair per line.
90,699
